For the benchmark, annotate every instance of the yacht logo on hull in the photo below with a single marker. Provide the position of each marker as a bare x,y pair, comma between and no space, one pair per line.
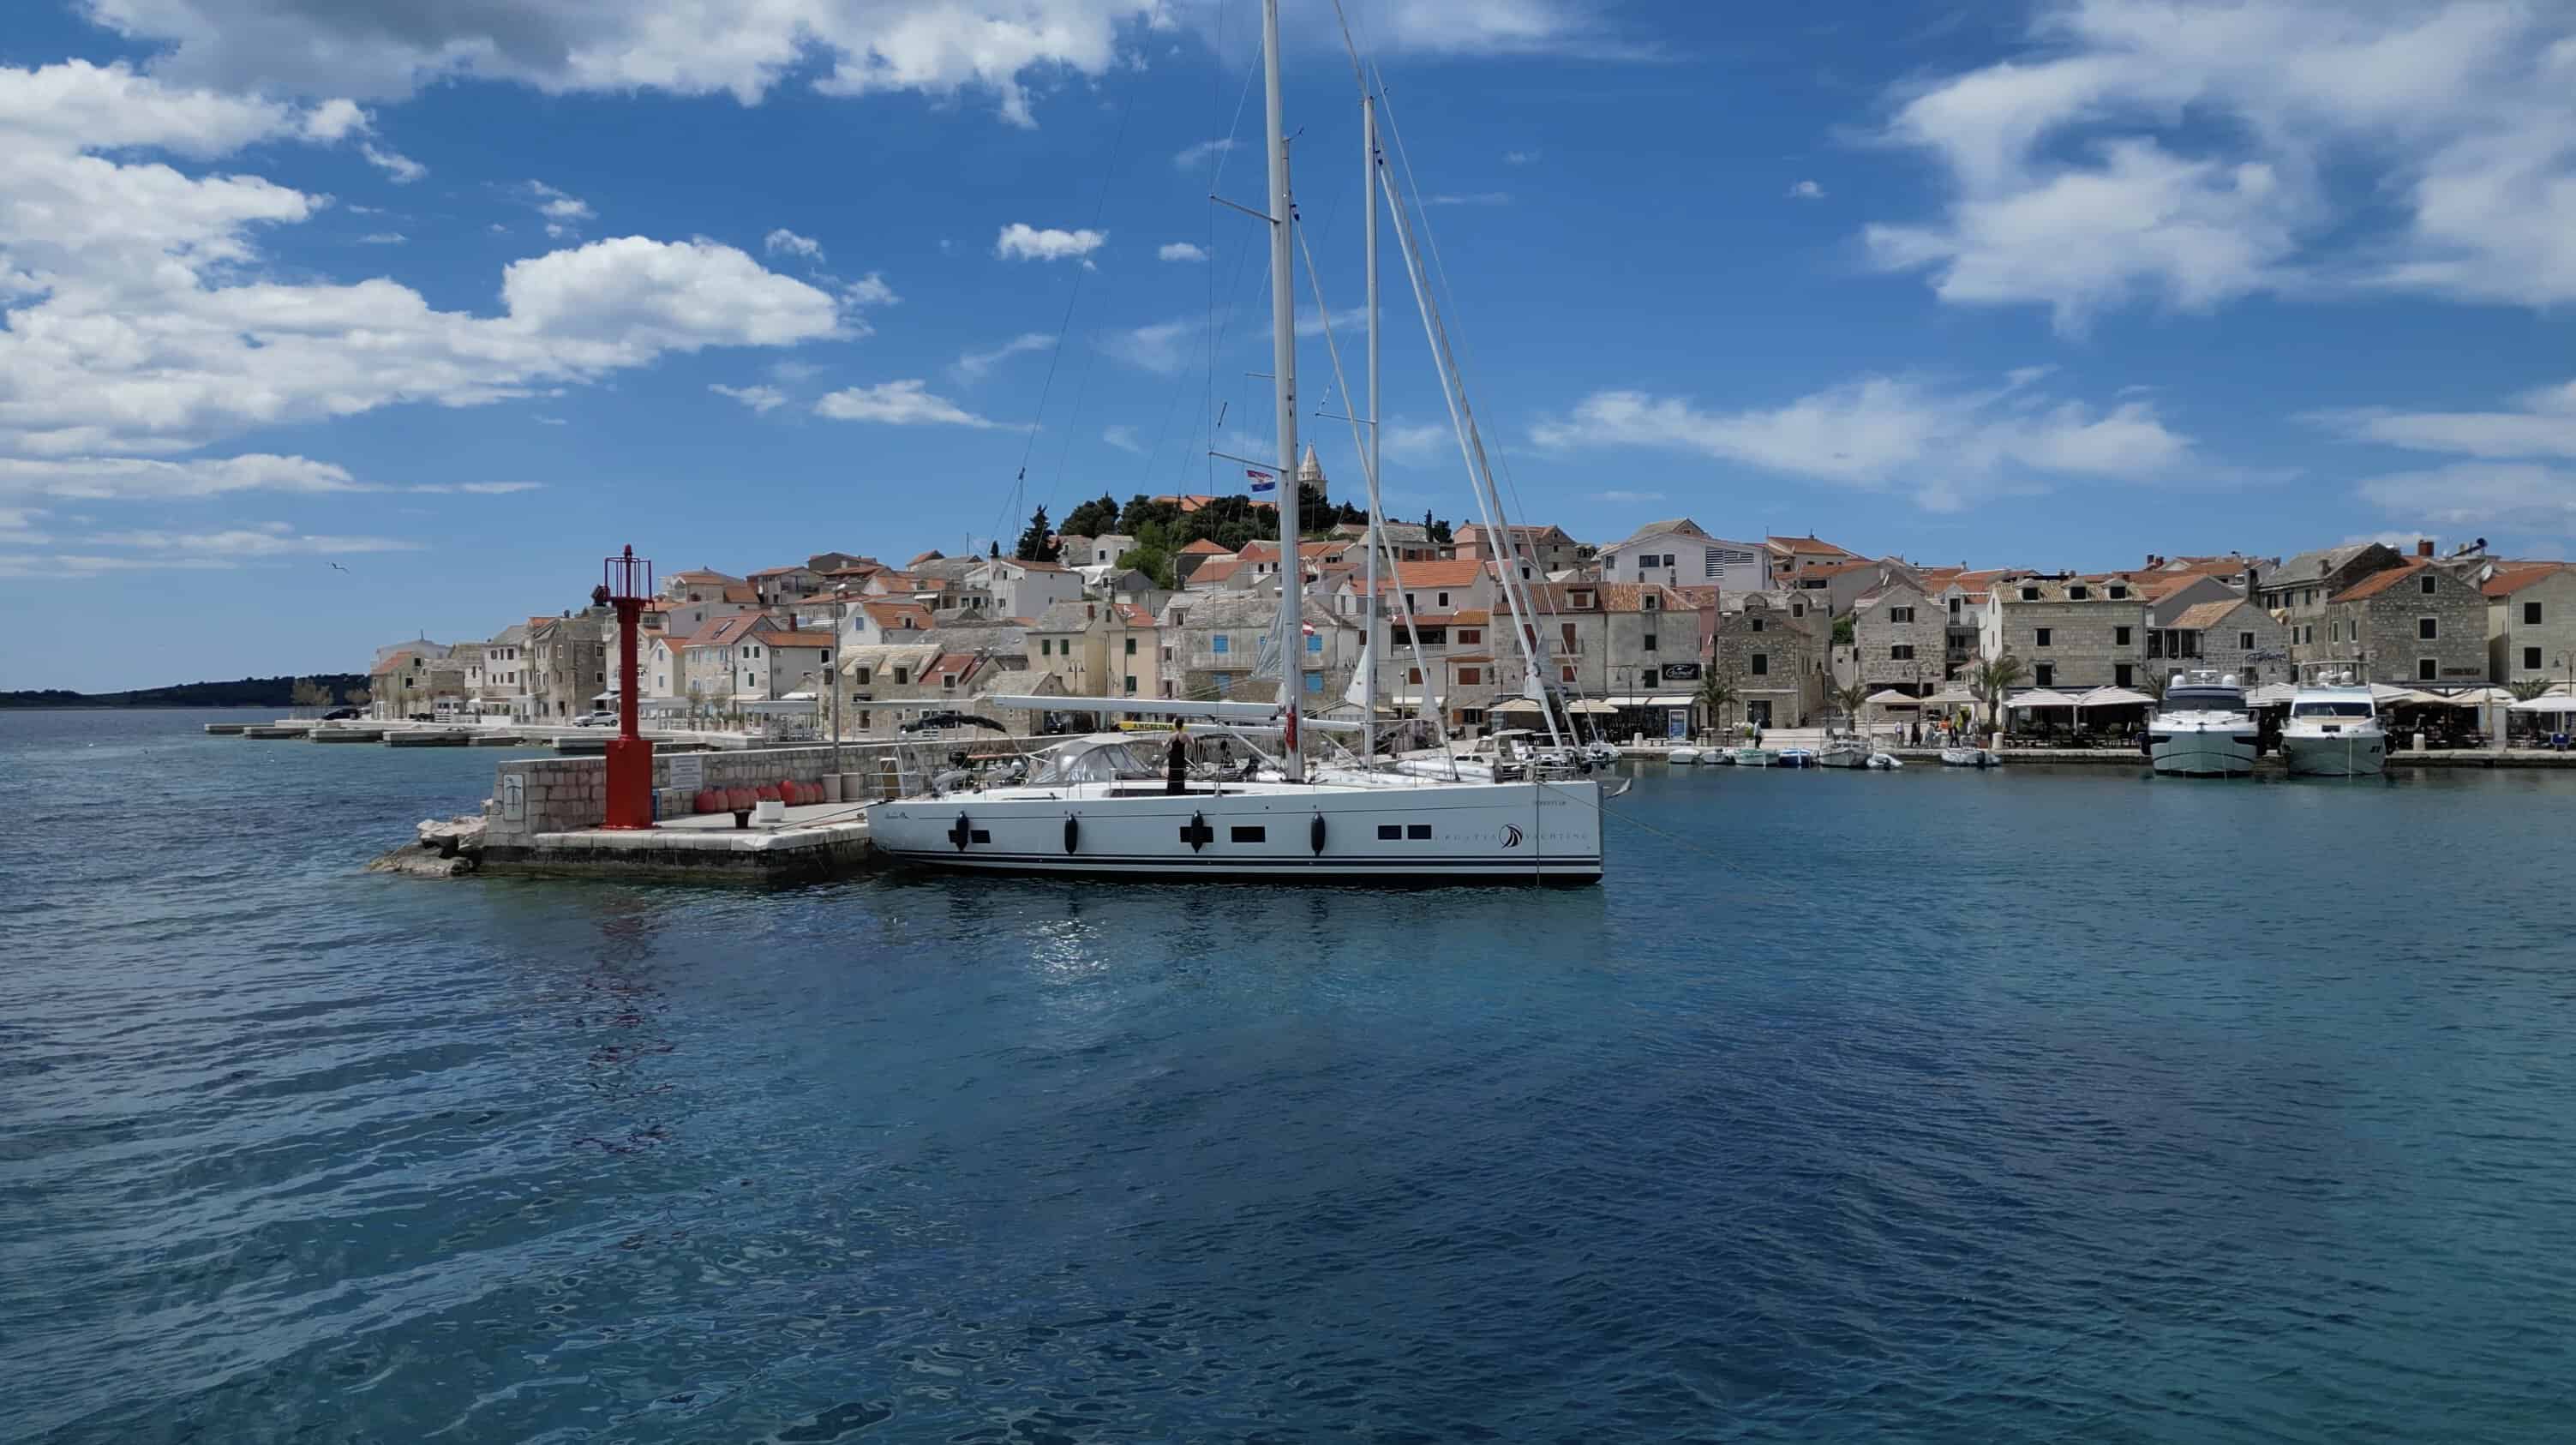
1511,835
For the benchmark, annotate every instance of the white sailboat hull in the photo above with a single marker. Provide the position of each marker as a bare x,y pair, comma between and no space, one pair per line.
1546,832
2354,753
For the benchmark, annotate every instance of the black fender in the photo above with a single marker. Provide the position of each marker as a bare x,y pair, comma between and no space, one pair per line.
1315,835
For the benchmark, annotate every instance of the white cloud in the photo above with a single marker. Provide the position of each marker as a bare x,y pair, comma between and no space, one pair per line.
18,527
1123,438
564,213
1470,198
1345,322
788,241
144,321
1020,241
1891,434
383,238
1806,191
1619,497
897,403
137,478
2525,495
1520,158
249,542
1161,348
1190,158
401,168
478,489
2187,152
49,567
1180,251
2542,424
758,398
975,364
1411,444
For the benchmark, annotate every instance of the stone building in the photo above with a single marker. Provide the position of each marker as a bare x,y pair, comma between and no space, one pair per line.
2531,623
1902,638
1772,647
2071,632
1210,646
1677,553
2223,634
2415,623
1548,549
2297,594
568,662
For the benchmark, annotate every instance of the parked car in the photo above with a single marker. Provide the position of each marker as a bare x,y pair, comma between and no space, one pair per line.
342,714
595,720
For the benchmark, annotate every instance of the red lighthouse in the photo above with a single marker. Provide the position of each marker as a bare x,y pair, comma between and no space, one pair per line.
627,587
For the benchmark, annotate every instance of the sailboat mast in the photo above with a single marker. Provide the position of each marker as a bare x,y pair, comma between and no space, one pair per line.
1283,356
1368,194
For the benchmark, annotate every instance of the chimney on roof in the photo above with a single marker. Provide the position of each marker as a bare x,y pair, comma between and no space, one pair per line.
2423,546
2252,579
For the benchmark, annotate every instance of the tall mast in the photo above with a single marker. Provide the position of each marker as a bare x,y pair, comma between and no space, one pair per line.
1368,194
1283,357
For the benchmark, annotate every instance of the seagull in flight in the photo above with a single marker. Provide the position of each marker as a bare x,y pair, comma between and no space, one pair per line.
336,567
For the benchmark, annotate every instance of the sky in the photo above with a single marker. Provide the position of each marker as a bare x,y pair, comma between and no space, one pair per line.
328,326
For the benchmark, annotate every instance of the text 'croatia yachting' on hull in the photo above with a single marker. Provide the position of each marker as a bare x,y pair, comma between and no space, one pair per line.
1547,832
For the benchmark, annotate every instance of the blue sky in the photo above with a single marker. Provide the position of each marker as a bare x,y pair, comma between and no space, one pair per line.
461,298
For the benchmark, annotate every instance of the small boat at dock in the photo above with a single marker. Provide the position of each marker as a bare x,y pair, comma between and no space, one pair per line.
1969,757
226,730
1685,753
1797,757
1843,753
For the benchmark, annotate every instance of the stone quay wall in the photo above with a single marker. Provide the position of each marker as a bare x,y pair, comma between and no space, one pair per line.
563,795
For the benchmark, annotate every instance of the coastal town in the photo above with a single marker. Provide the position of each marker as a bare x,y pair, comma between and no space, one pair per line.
1670,631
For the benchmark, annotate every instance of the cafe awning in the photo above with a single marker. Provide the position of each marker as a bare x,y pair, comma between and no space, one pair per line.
2041,697
1517,704
1589,707
1952,696
2113,697
1890,697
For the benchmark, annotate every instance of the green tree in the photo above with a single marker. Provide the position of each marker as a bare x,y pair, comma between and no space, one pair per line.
1092,518
1718,695
1994,679
309,693
1843,630
1850,698
2528,688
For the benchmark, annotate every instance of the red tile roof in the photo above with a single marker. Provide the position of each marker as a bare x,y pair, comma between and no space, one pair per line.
797,639
780,571
1204,547
2378,582
1463,572
1133,614
1216,569
394,663
2507,581
1808,544
893,616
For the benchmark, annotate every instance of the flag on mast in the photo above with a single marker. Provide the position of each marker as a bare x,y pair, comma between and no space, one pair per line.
1262,481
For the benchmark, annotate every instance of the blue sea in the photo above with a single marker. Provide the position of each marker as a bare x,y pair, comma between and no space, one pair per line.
1936,1105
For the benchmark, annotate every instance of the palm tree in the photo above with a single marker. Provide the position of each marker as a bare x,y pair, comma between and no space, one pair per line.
1850,697
2528,688
1717,696
1994,680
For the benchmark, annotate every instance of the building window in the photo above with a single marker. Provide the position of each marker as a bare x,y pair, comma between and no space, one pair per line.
1413,675
2119,637
901,676
2039,637
1753,624
2121,674
1565,674
948,680
2531,614
1131,686
1649,602
2045,674
2118,592
1315,642
1131,647
1469,677
1444,599
1220,643
1900,614
2425,671
1465,634
1649,642
1314,682
2245,642
2531,659
1761,664
2426,629
2030,594
2076,594
2428,584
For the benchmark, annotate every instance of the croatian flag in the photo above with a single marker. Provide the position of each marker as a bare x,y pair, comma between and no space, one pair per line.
1262,481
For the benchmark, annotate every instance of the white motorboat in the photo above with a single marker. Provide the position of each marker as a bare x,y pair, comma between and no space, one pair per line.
1961,756
1096,805
1752,757
1601,754
1796,757
1844,753
2201,729
1681,753
1713,757
2334,730
1884,762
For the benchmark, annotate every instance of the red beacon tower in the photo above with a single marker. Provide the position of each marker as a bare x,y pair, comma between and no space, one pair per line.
627,586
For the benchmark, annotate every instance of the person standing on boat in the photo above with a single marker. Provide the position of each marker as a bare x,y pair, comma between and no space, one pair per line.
1176,768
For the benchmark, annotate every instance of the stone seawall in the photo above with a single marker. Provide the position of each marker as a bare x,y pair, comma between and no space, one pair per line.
563,795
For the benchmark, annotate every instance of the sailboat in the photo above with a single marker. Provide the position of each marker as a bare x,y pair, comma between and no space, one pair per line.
1099,805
